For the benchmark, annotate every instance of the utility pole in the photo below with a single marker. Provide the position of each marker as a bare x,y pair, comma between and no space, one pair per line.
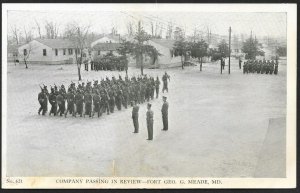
229,50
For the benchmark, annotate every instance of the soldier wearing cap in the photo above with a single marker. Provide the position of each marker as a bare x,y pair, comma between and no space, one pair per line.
61,103
135,116
240,63
165,82
164,111
42,97
79,103
96,102
149,119
88,103
157,83
70,100
53,102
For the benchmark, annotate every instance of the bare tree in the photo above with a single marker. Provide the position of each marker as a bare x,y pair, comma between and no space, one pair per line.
170,30
28,35
129,27
78,35
26,54
52,30
15,33
38,28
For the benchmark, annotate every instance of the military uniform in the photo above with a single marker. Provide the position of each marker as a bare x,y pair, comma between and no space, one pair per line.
157,83
135,118
61,104
79,103
164,111
53,102
96,102
165,82
150,121
70,100
88,103
42,98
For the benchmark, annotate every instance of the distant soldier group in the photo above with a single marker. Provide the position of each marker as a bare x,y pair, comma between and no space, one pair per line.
261,67
99,97
98,65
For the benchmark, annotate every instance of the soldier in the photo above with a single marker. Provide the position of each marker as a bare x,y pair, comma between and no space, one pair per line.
53,102
244,68
111,101
164,111
223,63
135,116
119,99
157,83
143,91
104,104
61,103
165,82
70,100
79,103
125,96
152,86
240,63
96,102
149,119
272,67
42,97
148,91
259,67
276,66
88,103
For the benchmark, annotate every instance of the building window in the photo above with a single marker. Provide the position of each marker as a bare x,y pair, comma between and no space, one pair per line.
70,51
44,52
56,52
64,51
99,52
77,51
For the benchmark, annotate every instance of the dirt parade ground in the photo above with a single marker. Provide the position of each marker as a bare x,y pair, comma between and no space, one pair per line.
219,126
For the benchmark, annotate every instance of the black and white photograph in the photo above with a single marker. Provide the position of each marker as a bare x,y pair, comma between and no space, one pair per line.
149,96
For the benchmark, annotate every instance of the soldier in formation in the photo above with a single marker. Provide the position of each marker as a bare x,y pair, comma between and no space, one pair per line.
101,97
112,66
260,67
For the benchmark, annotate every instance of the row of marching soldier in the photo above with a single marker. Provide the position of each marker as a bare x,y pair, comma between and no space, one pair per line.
101,97
260,67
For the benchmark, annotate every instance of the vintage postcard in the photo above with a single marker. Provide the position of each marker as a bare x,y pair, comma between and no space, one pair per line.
149,96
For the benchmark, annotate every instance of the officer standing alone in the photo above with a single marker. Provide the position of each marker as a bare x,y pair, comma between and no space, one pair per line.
164,111
149,115
135,116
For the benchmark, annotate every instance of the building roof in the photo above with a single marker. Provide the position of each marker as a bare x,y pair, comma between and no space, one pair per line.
164,42
114,37
106,46
57,43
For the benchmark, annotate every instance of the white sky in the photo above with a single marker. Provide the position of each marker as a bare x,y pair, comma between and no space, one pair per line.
262,24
